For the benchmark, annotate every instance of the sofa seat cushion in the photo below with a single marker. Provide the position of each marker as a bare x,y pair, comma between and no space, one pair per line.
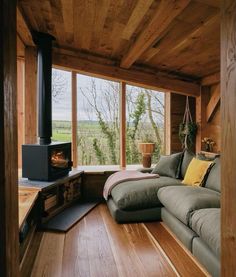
206,223
136,195
181,201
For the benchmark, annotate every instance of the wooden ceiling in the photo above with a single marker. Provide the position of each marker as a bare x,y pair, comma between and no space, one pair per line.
174,37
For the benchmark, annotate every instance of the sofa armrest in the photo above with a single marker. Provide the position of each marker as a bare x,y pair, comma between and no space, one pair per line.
145,170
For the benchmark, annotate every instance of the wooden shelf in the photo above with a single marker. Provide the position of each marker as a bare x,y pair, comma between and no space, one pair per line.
27,198
67,190
210,154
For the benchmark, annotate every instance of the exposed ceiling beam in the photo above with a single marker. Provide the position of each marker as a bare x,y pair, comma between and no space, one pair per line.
167,11
211,79
213,103
185,39
23,29
20,47
98,68
136,17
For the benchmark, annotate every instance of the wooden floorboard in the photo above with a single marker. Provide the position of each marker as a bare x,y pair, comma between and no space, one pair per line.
180,258
87,250
134,250
50,255
30,256
97,246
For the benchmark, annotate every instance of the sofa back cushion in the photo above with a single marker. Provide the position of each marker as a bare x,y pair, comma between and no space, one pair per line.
187,158
213,179
168,165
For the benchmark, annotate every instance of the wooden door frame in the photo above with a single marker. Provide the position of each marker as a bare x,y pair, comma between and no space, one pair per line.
9,227
228,141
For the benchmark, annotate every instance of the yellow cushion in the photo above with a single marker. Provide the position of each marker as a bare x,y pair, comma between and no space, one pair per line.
196,172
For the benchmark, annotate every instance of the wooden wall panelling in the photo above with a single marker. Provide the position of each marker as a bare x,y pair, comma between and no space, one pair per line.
74,118
213,130
199,123
208,128
228,145
122,125
177,112
9,227
213,103
20,107
93,183
30,104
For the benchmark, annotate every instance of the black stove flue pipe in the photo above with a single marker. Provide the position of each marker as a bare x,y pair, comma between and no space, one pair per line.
44,46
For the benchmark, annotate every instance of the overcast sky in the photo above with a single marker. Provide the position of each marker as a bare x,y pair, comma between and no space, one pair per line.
61,105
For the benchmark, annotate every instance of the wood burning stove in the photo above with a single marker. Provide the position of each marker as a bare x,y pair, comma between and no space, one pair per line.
45,161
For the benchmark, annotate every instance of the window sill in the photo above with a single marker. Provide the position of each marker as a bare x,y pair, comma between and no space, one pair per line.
107,168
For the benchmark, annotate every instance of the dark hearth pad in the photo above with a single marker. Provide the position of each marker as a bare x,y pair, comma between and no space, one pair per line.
69,217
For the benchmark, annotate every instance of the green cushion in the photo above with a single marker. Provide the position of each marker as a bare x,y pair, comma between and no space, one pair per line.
181,201
121,216
168,165
136,195
187,158
213,179
206,223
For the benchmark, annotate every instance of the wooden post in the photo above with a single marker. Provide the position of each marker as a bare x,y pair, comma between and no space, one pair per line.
9,227
201,104
122,124
167,133
74,117
20,107
30,110
228,142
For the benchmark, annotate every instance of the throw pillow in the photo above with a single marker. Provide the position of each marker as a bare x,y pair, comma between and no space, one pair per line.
168,165
196,172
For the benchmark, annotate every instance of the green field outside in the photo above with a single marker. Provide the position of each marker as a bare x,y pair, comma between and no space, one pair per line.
88,131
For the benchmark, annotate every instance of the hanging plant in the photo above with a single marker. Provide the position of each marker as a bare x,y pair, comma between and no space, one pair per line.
187,129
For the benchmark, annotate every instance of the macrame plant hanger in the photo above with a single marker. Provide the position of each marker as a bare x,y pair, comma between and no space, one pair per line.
186,120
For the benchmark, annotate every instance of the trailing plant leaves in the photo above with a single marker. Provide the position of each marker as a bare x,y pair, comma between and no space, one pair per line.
187,134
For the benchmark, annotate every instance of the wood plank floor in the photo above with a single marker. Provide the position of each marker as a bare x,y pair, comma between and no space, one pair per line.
97,246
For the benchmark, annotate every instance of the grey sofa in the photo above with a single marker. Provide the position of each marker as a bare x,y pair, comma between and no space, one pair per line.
192,213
